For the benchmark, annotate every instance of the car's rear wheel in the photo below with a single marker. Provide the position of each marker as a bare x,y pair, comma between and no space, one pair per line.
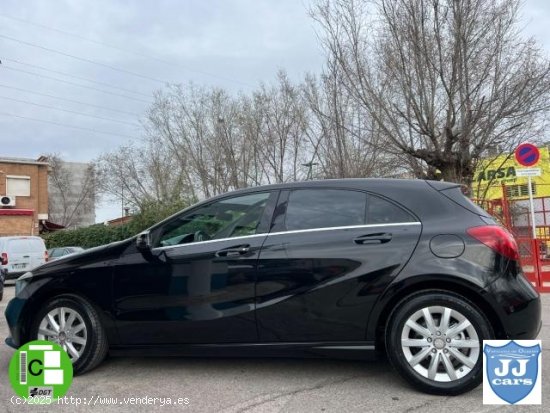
73,323
434,339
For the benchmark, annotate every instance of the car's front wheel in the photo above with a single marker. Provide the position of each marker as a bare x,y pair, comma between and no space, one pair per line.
434,339
74,323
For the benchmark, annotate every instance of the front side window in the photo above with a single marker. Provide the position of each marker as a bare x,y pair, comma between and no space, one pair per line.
228,218
324,208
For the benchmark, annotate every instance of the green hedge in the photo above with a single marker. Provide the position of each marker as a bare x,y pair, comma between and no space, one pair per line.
100,234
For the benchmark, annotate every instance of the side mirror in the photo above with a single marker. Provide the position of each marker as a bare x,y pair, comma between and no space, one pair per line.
143,241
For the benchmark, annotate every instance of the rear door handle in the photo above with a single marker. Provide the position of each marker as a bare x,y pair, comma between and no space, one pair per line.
376,238
233,251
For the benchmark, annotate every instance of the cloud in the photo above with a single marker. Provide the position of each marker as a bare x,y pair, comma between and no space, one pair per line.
239,42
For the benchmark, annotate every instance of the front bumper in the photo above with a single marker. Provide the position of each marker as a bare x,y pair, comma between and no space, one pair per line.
9,342
517,305
13,275
14,315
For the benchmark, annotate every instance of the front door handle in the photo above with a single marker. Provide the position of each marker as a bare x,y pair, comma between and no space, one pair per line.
233,251
376,238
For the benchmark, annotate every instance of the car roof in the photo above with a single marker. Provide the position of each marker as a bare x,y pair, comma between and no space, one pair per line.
373,184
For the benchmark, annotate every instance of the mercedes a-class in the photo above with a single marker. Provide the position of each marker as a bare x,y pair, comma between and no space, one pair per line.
336,268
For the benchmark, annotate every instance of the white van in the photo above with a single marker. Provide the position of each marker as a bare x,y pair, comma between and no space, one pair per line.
21,254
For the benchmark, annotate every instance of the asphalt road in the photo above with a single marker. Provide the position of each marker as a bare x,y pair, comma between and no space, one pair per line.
256,385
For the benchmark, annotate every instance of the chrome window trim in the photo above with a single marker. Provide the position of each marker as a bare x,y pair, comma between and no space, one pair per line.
209,241
297,231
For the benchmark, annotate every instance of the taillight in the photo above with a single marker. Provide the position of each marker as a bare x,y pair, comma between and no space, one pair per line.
4,258
46,256
496,238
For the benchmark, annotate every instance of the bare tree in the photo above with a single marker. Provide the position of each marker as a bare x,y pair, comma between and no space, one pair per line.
221,142
140,174
203,129
346,142
444,80
72,191
280,114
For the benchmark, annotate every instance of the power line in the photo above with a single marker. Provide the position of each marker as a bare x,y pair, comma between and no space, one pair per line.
68,100
75,77
83,59
147,56
75,84
68,111
66,125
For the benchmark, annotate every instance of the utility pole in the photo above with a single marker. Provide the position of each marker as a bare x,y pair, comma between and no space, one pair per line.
309,165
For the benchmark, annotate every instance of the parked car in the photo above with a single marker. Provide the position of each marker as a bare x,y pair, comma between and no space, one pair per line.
21,254
2,278
335,268
55,253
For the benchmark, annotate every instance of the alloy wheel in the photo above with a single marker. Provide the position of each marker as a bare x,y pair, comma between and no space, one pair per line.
66,327
440,343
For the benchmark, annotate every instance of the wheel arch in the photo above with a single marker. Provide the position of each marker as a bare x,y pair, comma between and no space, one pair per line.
40,299
398,292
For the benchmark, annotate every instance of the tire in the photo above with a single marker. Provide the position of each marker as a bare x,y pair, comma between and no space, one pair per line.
433,366
1,294
90,342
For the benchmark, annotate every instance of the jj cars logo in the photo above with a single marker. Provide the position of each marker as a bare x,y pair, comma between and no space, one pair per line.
511,372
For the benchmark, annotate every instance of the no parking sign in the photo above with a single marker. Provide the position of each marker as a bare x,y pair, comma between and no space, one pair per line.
527,154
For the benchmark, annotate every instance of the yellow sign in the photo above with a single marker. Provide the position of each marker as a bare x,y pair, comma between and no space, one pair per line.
491,174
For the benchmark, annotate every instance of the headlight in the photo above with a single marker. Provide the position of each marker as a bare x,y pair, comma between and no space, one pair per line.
22,282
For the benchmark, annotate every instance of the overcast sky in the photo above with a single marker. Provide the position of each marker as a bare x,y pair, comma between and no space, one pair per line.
230,43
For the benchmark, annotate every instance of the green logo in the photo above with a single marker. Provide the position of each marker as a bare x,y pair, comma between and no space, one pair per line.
41,369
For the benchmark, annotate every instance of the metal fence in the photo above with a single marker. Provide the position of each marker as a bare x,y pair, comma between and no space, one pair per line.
512,211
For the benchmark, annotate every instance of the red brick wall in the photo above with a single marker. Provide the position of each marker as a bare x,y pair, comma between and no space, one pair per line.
16,225
37,201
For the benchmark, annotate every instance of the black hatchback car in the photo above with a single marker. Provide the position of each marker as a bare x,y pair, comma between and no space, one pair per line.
335,268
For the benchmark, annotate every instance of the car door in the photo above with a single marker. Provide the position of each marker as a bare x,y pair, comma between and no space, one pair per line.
197,283
328,256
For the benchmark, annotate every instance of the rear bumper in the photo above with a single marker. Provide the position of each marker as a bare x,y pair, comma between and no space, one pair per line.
517,305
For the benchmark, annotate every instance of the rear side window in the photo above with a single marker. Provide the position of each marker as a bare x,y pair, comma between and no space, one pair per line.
455,194
324,208
26,245
381,211
58,252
